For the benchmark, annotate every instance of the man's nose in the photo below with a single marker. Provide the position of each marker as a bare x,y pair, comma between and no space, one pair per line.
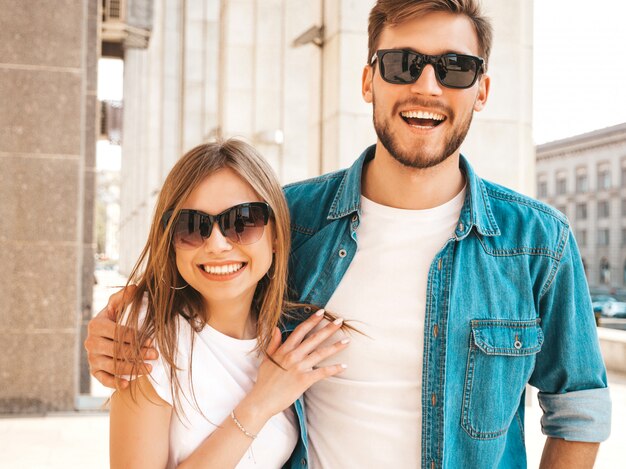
427,83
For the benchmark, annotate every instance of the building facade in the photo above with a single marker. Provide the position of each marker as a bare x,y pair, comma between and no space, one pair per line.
585,178
286,76
48,129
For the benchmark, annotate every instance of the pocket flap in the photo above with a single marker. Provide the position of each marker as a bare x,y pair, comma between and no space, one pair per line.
506,337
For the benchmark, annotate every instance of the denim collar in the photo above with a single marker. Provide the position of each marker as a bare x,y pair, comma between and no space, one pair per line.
476,209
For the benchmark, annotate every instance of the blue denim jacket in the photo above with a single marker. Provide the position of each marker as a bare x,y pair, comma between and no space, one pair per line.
507,304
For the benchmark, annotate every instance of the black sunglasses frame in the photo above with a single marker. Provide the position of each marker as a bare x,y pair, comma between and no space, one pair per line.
208,221
433,60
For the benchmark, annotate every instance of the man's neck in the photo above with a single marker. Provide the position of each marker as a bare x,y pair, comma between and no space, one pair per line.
388,182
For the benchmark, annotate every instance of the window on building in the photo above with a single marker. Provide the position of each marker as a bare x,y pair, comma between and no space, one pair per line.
603,237
623,236
624,173
605,272
581,237
604,177
581,181
624,207
603,209
581,211
562,209
542,187
561,183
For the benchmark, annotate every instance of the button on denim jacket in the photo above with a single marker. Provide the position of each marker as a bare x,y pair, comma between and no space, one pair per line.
507,304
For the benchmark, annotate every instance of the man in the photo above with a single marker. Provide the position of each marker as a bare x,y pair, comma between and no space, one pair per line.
465,290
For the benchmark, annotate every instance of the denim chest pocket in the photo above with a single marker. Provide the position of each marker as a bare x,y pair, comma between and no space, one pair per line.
500,360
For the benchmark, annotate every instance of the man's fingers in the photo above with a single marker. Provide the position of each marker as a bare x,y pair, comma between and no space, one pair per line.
108,380
302,330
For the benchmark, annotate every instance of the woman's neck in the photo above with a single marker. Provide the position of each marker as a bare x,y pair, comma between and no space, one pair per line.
232,318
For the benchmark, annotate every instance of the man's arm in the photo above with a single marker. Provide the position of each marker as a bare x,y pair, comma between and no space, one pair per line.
562,454
100,344
569,371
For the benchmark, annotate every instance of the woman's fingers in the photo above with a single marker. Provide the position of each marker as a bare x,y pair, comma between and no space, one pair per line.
302,330
317,338
323,353
326,372
274,343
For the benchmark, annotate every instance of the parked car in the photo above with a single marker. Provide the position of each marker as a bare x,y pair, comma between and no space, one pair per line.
616,309
599,302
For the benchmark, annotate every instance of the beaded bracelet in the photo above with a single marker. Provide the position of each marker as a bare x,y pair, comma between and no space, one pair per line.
240,426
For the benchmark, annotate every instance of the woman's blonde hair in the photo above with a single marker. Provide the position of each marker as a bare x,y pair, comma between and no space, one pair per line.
156,276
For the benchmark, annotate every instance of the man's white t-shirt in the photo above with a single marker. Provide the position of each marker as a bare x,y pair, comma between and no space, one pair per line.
370,416
224,370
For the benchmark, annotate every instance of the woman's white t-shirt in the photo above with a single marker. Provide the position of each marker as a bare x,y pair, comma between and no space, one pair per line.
223,371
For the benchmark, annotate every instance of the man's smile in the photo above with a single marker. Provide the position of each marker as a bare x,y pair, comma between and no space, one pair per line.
422,119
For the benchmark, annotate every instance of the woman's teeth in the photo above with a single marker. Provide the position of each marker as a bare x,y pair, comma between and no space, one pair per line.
222,269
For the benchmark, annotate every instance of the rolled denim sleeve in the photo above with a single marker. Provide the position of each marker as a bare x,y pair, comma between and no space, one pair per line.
577,415
569,370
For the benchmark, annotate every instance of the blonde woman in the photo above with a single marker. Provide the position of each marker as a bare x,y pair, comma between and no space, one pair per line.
210,293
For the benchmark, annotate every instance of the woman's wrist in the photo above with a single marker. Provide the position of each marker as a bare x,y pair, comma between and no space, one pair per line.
252,414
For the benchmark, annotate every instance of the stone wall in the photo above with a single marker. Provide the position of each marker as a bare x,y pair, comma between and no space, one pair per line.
48,60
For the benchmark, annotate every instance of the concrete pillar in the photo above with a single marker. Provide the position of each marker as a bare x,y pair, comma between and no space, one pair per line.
500,144
48,66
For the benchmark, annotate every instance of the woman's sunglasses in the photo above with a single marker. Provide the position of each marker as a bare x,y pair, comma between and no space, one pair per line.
404,66
241,224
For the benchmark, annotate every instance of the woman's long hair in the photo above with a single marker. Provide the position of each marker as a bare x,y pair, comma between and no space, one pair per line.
156,276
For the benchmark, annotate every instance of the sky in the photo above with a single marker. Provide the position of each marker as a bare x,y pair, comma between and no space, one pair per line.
579,67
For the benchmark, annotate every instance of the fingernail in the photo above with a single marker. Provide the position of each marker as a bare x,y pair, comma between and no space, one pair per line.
338,321
344,366
345,341
319,312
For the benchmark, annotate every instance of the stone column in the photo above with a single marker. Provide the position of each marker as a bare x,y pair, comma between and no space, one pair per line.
48,58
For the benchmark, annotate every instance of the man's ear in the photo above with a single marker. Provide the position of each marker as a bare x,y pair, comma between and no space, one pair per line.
483,93
366,83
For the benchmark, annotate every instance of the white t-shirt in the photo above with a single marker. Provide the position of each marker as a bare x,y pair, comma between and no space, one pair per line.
370,416
224,370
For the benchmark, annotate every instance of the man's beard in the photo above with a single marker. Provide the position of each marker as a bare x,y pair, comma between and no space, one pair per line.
417,157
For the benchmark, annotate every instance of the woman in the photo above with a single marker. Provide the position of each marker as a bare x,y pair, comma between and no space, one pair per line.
210,293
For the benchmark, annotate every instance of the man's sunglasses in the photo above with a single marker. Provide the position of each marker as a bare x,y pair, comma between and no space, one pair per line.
241,224
404,66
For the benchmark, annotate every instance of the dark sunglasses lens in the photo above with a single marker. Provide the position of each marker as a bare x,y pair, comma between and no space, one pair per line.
457,71
400,67
244,224
188,229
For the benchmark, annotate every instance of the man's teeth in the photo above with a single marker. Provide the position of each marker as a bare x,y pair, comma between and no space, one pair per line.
422,115
222,269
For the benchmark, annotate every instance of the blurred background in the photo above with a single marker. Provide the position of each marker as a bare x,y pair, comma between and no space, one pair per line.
99,98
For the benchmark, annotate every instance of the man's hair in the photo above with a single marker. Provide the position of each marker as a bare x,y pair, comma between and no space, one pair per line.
393,12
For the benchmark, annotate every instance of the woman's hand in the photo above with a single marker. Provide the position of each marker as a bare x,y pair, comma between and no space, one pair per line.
277,388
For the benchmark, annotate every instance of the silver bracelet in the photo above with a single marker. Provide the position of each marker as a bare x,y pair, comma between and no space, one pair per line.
241,427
